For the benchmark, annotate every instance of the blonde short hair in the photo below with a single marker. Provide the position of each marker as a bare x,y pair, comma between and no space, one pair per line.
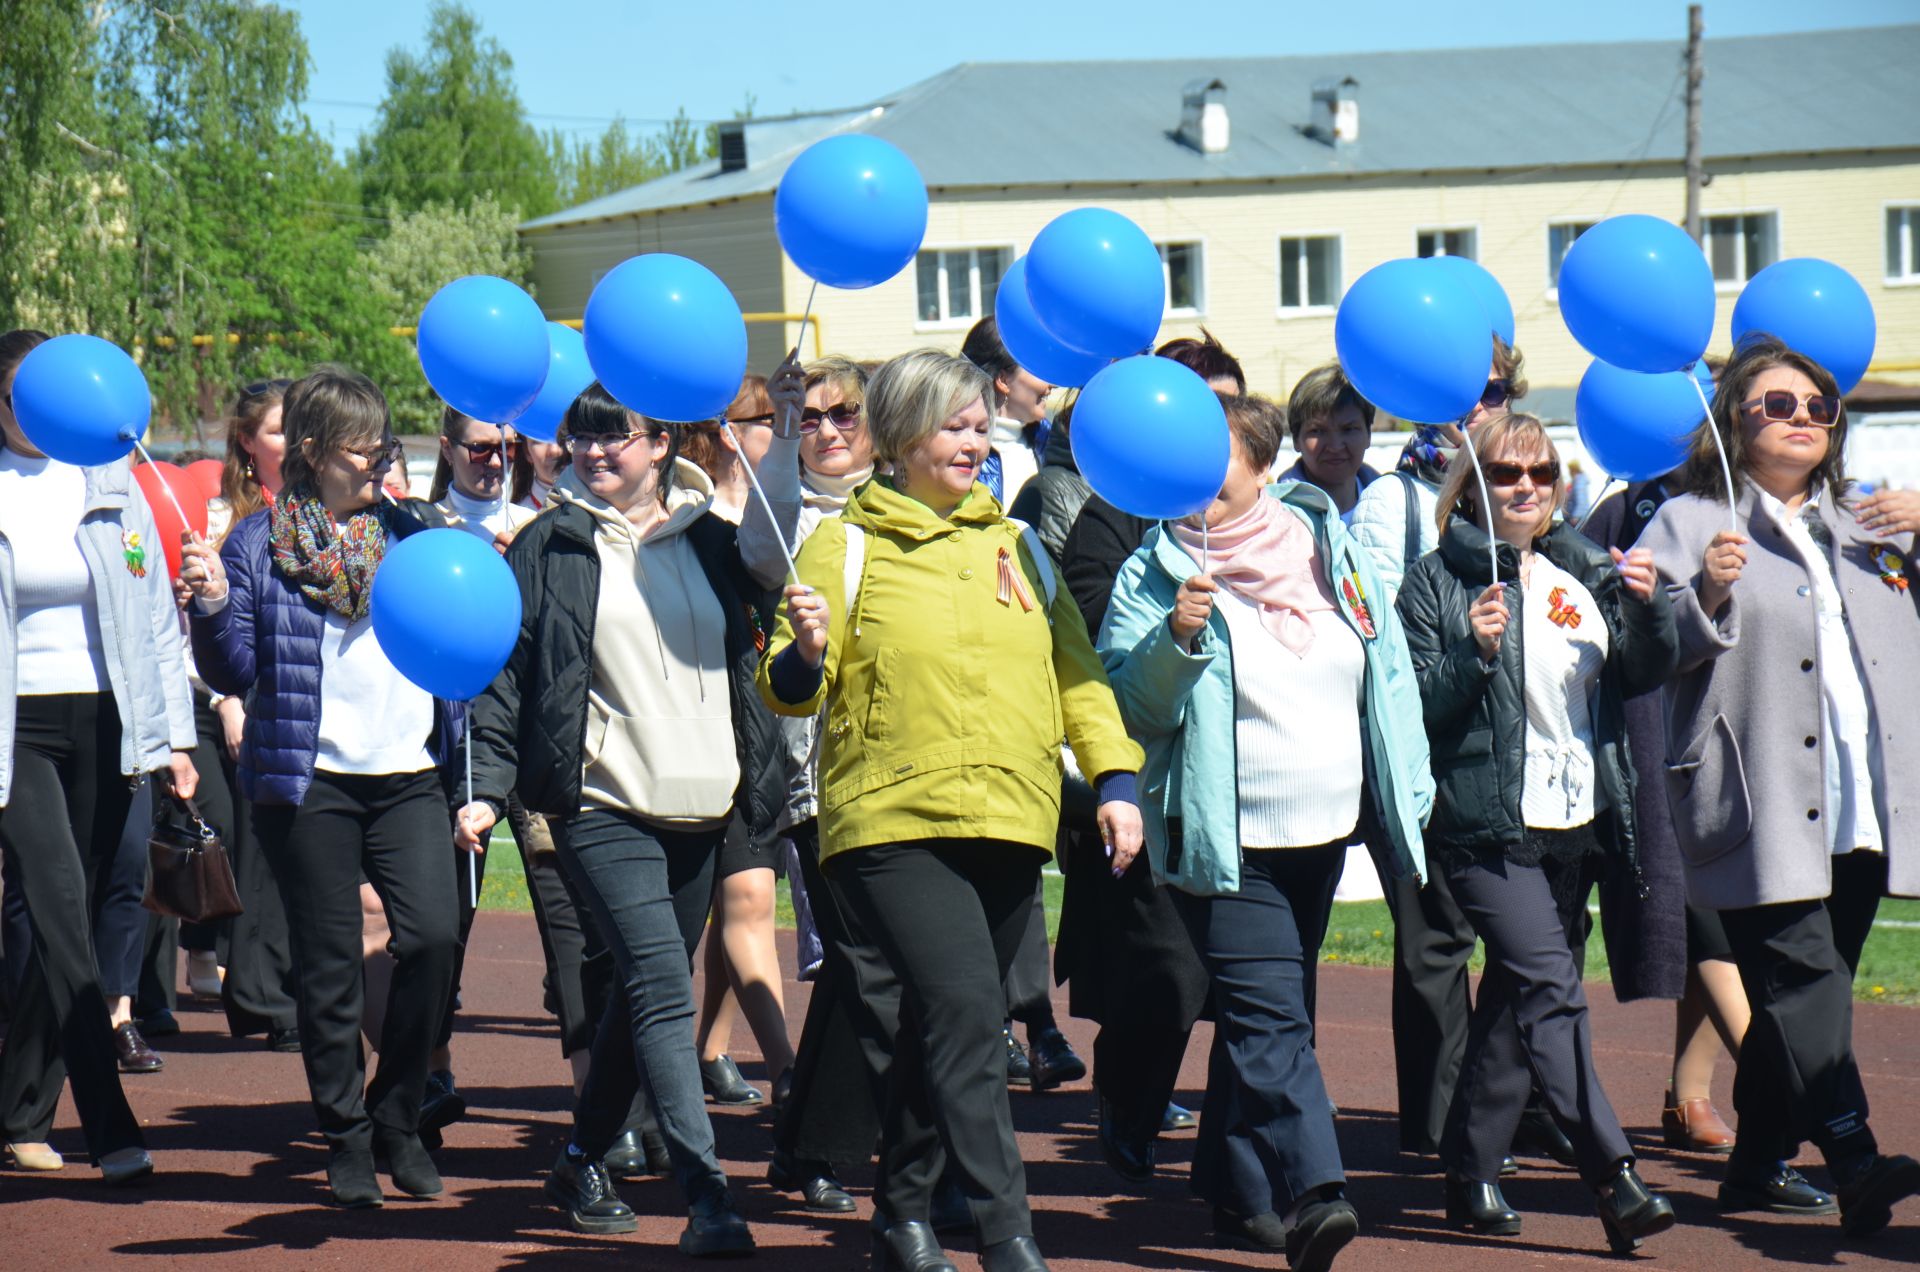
911,396
1503,435
837,372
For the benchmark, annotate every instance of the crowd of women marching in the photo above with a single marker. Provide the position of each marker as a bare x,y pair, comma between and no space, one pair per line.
1697,709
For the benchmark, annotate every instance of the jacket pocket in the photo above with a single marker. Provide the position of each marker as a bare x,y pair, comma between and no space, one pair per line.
1707,792
879,697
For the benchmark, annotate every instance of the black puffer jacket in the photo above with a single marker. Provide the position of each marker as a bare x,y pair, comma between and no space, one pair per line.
530,726
1051,500
1476,712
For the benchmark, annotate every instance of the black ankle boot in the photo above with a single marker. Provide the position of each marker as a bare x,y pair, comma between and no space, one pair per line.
715,1229
1015,1254
908,1247
1320,1231
350,1176
1629,1211
407,1162
1480,1208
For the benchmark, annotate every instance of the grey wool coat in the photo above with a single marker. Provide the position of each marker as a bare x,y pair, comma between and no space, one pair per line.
1746,724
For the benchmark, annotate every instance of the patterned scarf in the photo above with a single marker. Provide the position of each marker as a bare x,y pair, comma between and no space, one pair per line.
1426,454
333,567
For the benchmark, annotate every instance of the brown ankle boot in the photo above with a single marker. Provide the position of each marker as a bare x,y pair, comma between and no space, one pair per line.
1695,1126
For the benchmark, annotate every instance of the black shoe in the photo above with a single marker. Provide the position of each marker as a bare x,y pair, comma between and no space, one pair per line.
715,1229
1015,1254
723,1083
443,1105
950,1210
1131,1158
1866,1199
1051,1060
814,1181
1629,1211
626,1158
287,1041
407,1162
1241,1232
160,1024
1480,1208
1783,1190
909,1247
581,1188
1321,1231
1540,1136
350,1176
1019,1068
1177,1119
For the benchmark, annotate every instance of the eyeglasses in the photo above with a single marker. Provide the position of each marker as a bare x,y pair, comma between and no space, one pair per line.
1495,395
756,419
1780,406
610,444
383,454
483,452
845,417
1501,474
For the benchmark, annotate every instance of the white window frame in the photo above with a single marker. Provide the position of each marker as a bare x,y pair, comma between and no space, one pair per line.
1912,277
1553,287
1339,238
1733,286
1472,228
980,302
1199,309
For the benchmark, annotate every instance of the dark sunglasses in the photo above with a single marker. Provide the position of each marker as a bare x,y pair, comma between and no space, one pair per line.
1546,473
259,388
1495,395
481,452
754,419
845,418
1780,406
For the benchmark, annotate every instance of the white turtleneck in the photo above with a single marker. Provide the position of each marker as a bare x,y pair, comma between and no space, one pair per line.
484,518
57,622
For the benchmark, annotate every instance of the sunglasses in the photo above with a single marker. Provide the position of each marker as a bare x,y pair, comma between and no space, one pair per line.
846,418
1503,474
1780,406
482,452
387,453
610,444
260,388
753,419
1495,395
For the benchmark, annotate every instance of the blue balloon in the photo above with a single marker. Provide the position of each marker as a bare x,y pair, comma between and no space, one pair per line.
483,347
1151,438
568,375
665,337
1414,340
1813,307
851,211
1493,297
446,611
1031,345
81,400
1636,291
1637,426
1096,283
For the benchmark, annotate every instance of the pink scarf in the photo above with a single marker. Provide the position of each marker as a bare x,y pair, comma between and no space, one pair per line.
1266,556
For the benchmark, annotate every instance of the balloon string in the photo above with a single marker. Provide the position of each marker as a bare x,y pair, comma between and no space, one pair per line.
172,498
473,864
753,478
805,316
1605,490
1719,448
1486,502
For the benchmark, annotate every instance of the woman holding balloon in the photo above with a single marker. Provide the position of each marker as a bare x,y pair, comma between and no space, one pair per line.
93,699
341,761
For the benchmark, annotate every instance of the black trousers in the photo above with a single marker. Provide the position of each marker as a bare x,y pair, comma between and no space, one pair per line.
1530,1022
1796,1079
119,920
1432,942
393,828
1859,881
1029,982
949,914
1266,1131
59,832
845,1056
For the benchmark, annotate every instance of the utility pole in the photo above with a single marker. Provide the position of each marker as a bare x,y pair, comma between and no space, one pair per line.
1696,177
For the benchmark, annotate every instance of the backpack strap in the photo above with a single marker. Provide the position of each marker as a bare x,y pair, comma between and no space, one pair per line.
1411,552
1042,561
856,564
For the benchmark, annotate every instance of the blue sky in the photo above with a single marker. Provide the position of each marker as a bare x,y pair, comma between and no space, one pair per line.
578,63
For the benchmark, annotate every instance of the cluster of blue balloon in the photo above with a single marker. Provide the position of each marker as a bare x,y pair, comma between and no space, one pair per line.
1415,336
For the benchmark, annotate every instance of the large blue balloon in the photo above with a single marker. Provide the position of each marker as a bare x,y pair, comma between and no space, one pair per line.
1030,343
1151,438
568,375
1493,297
446,610
1637,426
483,347
1814,307
666,338
1636,291
1415,341
1096,283
81,400
851,211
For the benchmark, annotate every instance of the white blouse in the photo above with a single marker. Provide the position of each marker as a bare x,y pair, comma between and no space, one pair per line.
1565,640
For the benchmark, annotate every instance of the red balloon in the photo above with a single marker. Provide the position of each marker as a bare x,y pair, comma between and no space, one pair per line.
208,475
163,484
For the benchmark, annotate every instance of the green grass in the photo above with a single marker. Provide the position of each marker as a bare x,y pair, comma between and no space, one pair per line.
1359,933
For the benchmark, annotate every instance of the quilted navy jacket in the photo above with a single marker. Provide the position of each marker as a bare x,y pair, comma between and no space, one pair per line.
264,645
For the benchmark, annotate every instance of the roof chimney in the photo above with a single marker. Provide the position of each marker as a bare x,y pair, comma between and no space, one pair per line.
1336,110
733,146
1203,116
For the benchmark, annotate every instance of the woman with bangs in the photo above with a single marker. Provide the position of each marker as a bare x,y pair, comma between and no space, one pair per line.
1523,678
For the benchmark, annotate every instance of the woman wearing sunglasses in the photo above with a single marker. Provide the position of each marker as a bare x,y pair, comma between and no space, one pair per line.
1523,681
1790,755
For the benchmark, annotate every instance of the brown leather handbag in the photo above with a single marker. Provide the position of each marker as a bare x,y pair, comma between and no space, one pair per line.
189,876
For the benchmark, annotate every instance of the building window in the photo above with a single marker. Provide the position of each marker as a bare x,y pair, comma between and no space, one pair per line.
1740,246
1309,273
1183,264
1903,245
1447,243
957,284
1560,237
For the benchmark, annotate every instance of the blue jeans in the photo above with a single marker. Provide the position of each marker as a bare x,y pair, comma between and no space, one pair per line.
647,888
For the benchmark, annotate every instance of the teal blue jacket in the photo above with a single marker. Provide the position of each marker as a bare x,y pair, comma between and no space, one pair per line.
1180,706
